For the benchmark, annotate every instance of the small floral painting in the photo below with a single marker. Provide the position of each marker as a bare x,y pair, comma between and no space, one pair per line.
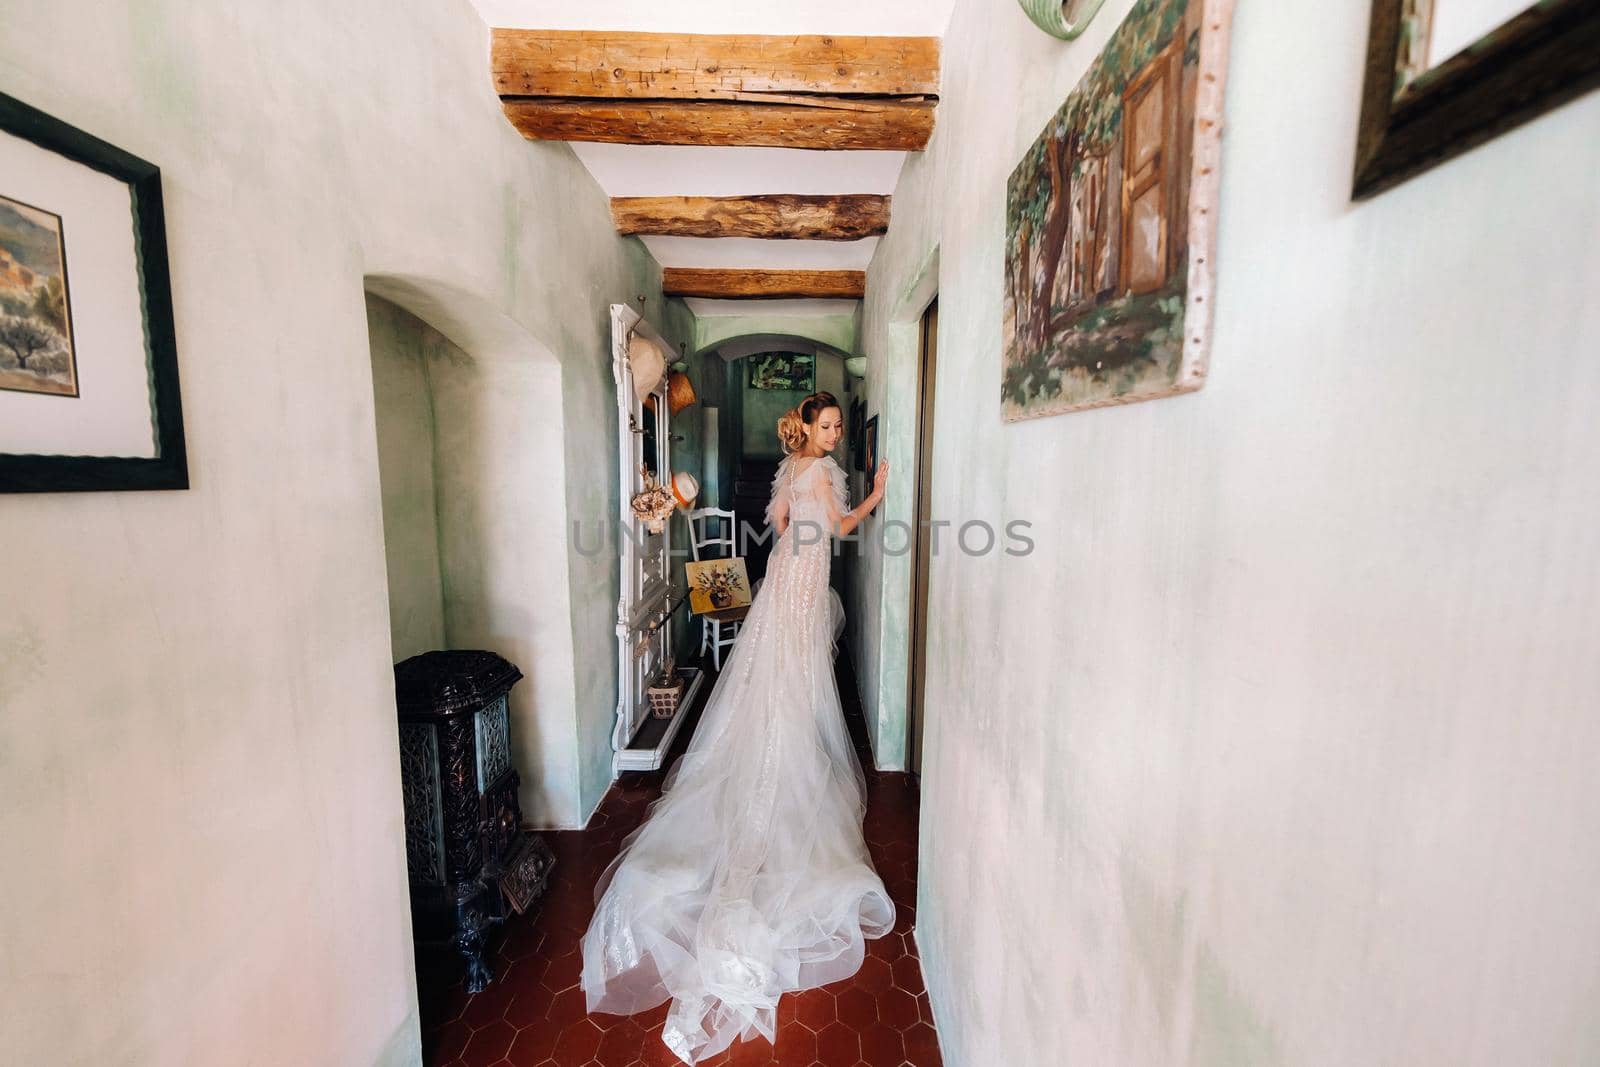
36,350
715,584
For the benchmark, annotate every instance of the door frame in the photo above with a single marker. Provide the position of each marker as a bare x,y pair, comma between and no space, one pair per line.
922,504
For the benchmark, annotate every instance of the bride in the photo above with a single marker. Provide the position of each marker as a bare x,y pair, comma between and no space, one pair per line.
750,877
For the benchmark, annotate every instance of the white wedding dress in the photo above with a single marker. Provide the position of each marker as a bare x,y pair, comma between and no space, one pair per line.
750,878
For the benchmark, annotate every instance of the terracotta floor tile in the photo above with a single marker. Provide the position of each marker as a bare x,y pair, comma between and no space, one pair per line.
534,1044
838,1045
882,1046
533,1013
857,1008
908,972
816,1008
489,1044
898,1008
797,1046
922,1046
875,976
578,1043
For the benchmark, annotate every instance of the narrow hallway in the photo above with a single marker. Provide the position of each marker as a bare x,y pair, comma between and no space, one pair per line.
532,1013
400,401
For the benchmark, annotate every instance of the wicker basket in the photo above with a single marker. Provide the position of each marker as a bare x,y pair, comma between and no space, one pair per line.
664,698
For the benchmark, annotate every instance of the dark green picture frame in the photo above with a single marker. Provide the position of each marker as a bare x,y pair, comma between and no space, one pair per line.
1415,119
869,449
169,468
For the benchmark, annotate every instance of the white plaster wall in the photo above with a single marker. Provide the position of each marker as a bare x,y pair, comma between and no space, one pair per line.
403,413
499,436
1279,749
199,791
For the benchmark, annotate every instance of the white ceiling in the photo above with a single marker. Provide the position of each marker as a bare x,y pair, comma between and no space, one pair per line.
679,170
758,254
770,308
672,170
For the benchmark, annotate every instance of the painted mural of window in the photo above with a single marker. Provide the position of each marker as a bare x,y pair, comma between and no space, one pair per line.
1150,143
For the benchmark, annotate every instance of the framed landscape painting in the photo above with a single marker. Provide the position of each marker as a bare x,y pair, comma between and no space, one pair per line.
88,355
35,319
784,370
869,452
1111,222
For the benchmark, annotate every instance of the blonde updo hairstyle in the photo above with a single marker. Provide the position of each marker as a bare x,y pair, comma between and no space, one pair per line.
792,426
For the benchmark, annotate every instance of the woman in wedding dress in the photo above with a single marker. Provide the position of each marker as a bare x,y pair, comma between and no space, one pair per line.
750,878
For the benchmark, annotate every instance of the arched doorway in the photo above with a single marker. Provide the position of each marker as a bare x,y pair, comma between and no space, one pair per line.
740,438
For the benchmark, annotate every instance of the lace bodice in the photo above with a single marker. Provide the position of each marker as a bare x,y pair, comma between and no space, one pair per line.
813,490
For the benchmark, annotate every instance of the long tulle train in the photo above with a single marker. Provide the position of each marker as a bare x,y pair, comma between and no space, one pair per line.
750,878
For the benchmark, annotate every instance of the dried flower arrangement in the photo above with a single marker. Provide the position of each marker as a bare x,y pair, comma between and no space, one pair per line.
720,585
653,504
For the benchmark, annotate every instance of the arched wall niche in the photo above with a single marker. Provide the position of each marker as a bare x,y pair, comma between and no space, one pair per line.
470,429
837,332
473,323
753,344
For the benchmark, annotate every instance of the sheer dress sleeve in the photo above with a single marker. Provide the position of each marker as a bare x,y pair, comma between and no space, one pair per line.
778,506
829,490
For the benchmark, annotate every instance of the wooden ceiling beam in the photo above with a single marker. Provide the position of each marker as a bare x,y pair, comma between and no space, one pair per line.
777,217
653,66
705,89
764,284
891,127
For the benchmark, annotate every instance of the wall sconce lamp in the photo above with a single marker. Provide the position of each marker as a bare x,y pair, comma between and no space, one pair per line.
1066,19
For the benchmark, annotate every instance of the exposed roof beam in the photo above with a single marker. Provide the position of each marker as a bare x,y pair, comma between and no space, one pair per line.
802,218
816,123
763,284
701,89
655,66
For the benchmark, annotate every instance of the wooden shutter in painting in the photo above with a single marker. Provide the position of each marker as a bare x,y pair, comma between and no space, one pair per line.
1087,252
1150,150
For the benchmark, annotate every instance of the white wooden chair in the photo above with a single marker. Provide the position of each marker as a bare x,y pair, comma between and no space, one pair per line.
713,534
714,531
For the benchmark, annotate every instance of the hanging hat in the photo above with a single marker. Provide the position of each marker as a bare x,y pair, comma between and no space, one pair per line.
647,362
685,489
680,391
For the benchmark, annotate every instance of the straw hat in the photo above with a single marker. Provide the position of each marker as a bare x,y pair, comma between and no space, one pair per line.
680,391
685,489
647,362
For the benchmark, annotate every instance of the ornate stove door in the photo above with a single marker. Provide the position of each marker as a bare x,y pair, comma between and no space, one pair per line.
643,437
